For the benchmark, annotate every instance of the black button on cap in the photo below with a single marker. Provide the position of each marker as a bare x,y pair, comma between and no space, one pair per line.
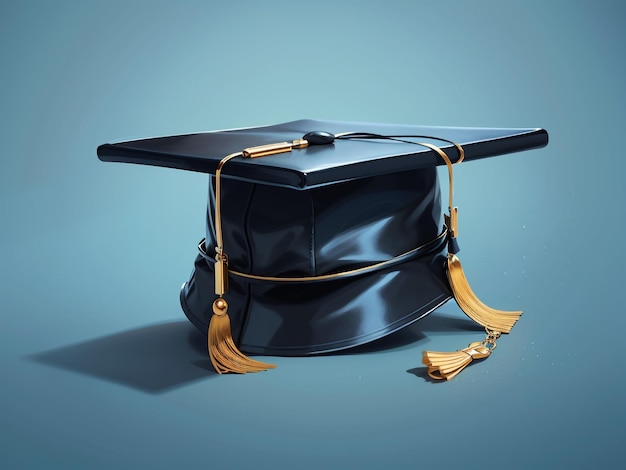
319,138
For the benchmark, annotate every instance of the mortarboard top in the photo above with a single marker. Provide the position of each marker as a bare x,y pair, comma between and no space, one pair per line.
318,165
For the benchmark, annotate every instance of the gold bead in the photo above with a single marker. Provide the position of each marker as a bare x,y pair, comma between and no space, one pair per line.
220,307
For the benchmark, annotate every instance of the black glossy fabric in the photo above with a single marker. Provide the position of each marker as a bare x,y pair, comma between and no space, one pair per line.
276,231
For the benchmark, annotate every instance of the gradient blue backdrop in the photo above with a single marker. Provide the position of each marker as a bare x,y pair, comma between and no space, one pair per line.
99,367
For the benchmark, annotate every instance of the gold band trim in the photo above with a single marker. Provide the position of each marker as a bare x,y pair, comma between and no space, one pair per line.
348,273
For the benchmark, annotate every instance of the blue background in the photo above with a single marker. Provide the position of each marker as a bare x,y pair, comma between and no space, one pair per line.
101,370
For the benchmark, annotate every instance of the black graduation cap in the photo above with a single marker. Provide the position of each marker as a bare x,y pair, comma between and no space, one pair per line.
324,235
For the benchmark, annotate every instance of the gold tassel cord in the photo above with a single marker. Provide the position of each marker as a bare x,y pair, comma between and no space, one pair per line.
491,318
225,356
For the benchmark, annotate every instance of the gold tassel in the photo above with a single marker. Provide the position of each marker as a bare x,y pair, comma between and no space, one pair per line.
225,356
498,320
446,365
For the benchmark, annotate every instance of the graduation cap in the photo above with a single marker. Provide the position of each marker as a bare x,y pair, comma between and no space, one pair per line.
325,235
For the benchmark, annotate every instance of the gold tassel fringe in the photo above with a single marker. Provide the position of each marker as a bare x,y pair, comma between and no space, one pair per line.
498,320
446,365
225,356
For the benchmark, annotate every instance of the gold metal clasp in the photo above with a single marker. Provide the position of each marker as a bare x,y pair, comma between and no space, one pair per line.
452,221
269,149
221,274
478,350
491,338
273,149
299,143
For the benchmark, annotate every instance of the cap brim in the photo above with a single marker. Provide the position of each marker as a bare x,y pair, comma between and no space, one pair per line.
315,318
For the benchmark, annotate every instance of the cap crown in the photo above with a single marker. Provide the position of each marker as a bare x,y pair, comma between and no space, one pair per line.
275,231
